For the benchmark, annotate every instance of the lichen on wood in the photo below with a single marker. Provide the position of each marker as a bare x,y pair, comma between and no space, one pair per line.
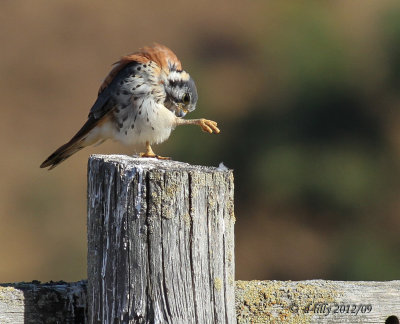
317,301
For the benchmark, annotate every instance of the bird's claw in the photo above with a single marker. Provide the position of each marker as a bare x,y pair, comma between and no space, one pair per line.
152,155
209,126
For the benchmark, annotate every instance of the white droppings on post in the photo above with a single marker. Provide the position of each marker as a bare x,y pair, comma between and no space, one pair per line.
223,224
75,295
92,307
121,216
138,201
108,212
222,167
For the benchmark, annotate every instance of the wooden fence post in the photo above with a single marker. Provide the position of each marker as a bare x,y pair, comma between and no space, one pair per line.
160,242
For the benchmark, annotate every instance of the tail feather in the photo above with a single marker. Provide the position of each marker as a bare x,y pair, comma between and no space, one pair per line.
83,138
62,153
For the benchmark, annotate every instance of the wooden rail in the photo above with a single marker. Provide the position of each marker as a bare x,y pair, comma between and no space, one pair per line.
34,303
160,250
312,301
318,301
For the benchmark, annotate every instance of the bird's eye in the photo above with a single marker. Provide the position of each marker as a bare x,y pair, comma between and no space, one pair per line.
186,98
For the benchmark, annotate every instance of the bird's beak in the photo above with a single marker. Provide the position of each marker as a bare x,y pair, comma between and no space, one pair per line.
181,111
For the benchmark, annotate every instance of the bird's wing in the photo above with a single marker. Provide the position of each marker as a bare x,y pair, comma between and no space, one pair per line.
99,113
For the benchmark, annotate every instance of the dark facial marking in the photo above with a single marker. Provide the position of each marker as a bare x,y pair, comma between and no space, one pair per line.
186,98
178,84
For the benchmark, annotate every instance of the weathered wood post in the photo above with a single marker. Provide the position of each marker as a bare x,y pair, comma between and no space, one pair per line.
160,242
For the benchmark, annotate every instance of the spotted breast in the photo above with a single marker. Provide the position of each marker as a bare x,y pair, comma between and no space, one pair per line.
139,95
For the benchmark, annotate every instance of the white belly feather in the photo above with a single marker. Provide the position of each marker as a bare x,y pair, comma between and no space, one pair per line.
153,123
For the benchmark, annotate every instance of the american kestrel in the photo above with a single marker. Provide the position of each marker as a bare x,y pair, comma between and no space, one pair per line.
141,101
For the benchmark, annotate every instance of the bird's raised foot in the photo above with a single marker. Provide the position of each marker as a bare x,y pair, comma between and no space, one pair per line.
209,126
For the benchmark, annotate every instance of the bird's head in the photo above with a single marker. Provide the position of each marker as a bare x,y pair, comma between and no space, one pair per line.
181,93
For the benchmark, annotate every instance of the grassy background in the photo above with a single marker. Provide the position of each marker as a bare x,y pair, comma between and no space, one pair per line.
306,95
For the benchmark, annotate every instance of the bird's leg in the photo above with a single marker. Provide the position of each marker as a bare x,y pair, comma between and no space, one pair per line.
150,154
149,151
206,125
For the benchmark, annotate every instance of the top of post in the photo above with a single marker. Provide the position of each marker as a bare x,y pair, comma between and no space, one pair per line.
152,163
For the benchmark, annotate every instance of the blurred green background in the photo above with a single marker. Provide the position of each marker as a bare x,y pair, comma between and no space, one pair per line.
307,95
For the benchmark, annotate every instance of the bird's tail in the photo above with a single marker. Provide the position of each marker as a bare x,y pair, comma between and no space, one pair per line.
63,153
85,137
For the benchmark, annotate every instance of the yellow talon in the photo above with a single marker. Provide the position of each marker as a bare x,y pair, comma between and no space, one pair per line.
209,126
150,154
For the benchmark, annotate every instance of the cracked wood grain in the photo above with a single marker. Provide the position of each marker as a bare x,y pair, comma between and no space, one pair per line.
160,242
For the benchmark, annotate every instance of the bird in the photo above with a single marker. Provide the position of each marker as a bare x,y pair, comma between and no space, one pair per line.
142,99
